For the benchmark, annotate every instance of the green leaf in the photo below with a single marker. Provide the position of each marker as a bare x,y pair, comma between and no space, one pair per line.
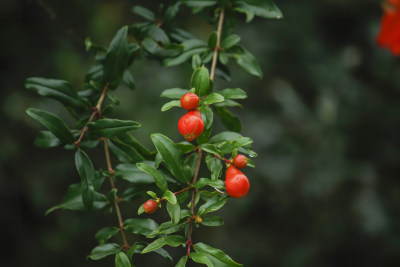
57,89
182,262
168,228
230,41
248,62
172,240
211,99
128,79
214,165
250,163
262,8
103,251
196,61
211,149
73,200
86,172
212,40
230,121
144,12
200,81
122,260
172,156
183,57
213,183
116,59
171,104
199,3
46,139
124,152
213,204
132,142
186,147
159,179
212,221
223,57
208,115
140,210
105,233
224,136
233,93
132,174
229,146
174,93
201,258
170,197
141,226
152,194
111,127
215,253
53,123
174,211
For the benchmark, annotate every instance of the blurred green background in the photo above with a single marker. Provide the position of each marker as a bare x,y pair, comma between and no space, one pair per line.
325,120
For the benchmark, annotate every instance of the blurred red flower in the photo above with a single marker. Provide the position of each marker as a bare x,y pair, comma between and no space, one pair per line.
389,35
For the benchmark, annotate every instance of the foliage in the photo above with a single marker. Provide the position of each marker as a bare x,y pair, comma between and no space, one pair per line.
172,169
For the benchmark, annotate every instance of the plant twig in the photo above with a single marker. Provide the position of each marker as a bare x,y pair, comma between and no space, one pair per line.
217,45
96,111
224,159
125,246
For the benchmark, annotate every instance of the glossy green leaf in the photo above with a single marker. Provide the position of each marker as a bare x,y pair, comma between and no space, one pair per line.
212,40
182,262
46,139
171,104
141,226
199,3
201,258
103,251
248,62
112,127
57,89
124,152
210,148
223,57
73,200
207,116
215,253
131,173
183,57
116,59
170,197
196,61
140,209
132,142
86,172
53,123
250,163
200,81
186,147
233,93
159,179
122,260
213,183
105,233
212,221
262,8
213,204
230,41
214,165
174,93
172,156
211,99
229,146
171,240
167,228
230,121
225,136
152,194
144,12
174,211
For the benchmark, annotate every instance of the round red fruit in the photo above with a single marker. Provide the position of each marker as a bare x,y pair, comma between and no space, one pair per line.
237,185
194,112
190,101
232,170
150,206
191,125
240,161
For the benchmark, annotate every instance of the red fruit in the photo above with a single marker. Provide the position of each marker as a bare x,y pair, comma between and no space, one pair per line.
231,171
190,101
237,185
150,206
389,34
191,125
240,161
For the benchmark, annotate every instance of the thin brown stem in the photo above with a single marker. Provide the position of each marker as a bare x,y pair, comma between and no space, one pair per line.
181,191
217,45
224,159
125,246
96,111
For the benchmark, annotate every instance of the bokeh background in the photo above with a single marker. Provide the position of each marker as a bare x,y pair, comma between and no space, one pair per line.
325,120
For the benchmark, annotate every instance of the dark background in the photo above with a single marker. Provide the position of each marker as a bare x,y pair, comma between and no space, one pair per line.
325,120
